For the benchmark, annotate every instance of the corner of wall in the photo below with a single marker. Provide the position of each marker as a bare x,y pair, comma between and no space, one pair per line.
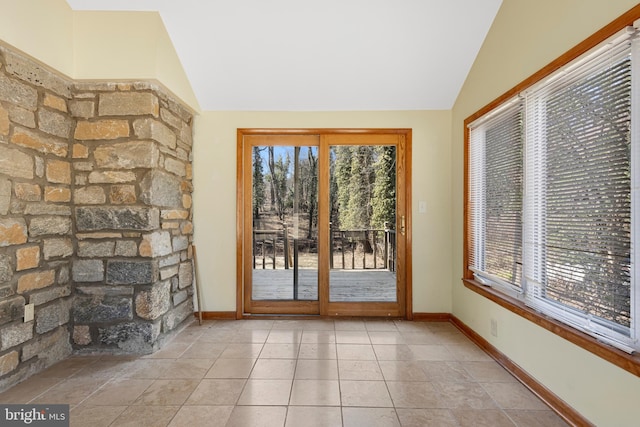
95,216
42,29
132,214
524,38
128,45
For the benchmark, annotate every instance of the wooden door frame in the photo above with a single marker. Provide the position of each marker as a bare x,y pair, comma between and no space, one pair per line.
299,307
242,188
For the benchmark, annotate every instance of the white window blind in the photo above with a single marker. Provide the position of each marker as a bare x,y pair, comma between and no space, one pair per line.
578,205
496,162
554,194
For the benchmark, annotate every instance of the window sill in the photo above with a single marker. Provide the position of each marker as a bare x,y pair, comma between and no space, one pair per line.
628,362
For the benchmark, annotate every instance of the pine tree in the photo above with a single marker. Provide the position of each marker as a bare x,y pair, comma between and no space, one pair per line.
342,179
279,178
333,191
363,186
311,190
258,182
360,187
384,190
272,171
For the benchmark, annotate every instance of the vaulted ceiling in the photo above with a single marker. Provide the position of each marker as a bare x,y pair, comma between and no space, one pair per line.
333,55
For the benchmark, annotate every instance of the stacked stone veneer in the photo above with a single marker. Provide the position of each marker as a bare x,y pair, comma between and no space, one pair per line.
95,216
132,209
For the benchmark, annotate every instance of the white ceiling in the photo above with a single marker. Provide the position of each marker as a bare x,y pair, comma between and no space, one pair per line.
302,55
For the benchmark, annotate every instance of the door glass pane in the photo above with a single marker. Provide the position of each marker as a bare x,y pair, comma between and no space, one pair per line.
363,219
285,223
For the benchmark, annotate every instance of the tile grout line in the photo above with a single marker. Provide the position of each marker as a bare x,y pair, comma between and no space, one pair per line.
386,386
461,357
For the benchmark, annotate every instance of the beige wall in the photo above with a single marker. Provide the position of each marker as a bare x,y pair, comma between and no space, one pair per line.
128,45
104,40
525,36
95,45
40,28
215,174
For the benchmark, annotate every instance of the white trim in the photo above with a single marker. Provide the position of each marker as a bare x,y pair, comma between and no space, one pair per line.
476,169
477,194
635,193
587,324
495,282
602,49
496,113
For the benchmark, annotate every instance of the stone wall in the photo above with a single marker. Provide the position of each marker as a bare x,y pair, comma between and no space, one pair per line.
36,230
95,216
132,211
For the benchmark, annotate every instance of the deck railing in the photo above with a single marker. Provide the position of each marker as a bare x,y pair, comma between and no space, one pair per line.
265,247
363,249
349,249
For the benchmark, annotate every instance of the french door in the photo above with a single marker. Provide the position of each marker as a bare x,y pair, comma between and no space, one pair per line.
323,222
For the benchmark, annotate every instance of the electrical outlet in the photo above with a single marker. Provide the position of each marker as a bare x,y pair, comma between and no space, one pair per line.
28,313
494,327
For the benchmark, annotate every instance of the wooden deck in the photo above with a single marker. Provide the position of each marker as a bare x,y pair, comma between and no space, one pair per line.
345,285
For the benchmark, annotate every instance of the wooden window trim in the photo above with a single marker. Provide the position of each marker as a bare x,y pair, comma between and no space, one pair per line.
628,362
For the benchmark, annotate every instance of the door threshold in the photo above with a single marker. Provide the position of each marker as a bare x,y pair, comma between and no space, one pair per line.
249,316
269,316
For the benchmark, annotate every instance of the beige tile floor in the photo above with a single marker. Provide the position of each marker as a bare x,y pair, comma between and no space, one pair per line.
293,373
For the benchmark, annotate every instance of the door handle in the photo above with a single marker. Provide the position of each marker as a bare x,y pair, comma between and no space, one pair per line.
402,225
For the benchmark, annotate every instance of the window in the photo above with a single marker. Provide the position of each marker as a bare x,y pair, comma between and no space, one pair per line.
496,169
551,208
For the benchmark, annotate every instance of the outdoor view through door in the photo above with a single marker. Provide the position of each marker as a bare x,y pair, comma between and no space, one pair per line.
362,246
323,222
285,223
